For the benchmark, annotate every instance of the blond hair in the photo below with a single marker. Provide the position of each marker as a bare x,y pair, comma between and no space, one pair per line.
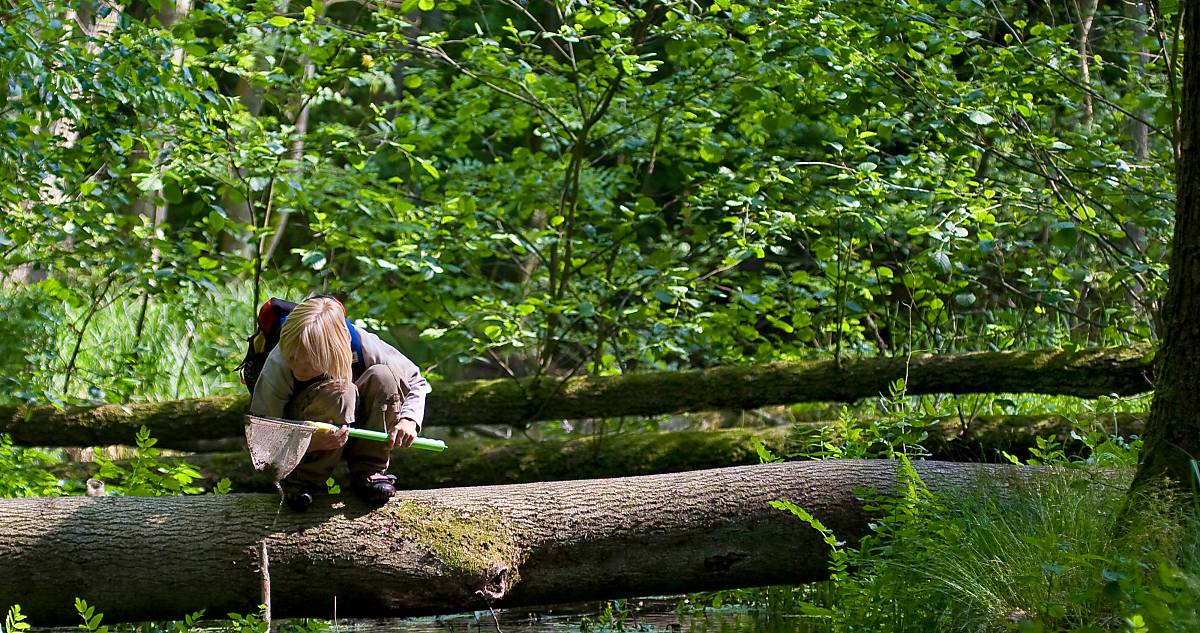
316,331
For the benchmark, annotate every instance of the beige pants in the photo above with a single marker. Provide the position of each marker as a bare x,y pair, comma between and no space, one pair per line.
363,401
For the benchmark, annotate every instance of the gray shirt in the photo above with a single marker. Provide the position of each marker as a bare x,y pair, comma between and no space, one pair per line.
274,387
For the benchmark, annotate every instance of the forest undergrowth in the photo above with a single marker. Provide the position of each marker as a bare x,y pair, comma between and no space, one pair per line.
1053,554
1071,549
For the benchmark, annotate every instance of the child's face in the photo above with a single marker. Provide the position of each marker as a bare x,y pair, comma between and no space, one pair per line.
303,367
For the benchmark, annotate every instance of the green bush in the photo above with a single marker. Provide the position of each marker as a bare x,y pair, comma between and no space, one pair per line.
1047,555
23,472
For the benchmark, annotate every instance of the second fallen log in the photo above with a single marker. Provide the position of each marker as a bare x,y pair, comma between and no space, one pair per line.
1085,373
483,462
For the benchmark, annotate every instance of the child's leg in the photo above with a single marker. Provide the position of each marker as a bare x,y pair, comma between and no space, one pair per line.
327,401
377,389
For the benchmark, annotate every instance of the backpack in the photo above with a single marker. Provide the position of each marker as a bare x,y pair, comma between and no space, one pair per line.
271,317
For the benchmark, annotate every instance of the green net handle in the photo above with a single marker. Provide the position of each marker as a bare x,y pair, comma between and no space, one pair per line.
422,443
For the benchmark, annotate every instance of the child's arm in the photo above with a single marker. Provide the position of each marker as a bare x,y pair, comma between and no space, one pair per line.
413,385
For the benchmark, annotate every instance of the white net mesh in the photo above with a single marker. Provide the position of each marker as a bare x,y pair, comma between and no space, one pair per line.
276,447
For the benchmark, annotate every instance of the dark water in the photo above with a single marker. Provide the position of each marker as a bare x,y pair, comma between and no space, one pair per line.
644,616
655,615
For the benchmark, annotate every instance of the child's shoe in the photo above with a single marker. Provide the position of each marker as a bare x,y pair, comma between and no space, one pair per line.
297,497
374,488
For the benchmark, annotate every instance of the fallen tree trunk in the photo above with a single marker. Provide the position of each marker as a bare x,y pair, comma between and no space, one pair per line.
484,462
1089,373
440,551
487,462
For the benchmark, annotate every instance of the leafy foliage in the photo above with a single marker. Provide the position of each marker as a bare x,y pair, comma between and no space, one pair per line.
594,188
525,188
898,431
14,620
23,472
91,619
145,475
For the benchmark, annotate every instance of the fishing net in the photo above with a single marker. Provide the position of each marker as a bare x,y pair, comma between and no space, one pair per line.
276,447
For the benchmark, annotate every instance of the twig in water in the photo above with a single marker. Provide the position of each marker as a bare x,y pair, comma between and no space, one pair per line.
266,583
495,618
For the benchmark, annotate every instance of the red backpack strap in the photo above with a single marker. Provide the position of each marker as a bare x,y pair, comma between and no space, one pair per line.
266,314
272,312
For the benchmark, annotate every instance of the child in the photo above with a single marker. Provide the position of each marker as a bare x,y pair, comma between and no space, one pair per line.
312,374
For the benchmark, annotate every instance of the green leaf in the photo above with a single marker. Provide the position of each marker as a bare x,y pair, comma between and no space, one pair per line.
980,118
314,259
280,21
765,456
426,5
429,167
171,192
1064,235
941,261
150,182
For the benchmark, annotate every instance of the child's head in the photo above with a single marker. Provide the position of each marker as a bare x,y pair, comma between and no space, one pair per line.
314,340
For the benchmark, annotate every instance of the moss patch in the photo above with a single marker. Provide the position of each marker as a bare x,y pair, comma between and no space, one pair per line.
472,545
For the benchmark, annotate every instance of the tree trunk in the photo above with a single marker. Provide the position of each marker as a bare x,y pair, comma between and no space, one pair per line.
442,551
1139,132
1087,15
1173,430
1088,373
477,461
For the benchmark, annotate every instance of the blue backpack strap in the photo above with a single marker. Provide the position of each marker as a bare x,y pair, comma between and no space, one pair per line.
355,344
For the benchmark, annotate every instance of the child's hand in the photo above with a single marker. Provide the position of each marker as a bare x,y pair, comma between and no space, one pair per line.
329,440
403,433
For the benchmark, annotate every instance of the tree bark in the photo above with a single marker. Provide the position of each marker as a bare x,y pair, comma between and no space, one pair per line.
1087,15
477,461
1173,430
1139,132
443,551
1089,373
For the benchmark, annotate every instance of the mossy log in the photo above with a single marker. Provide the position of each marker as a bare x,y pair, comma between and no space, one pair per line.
440,551
1088,373
484,461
